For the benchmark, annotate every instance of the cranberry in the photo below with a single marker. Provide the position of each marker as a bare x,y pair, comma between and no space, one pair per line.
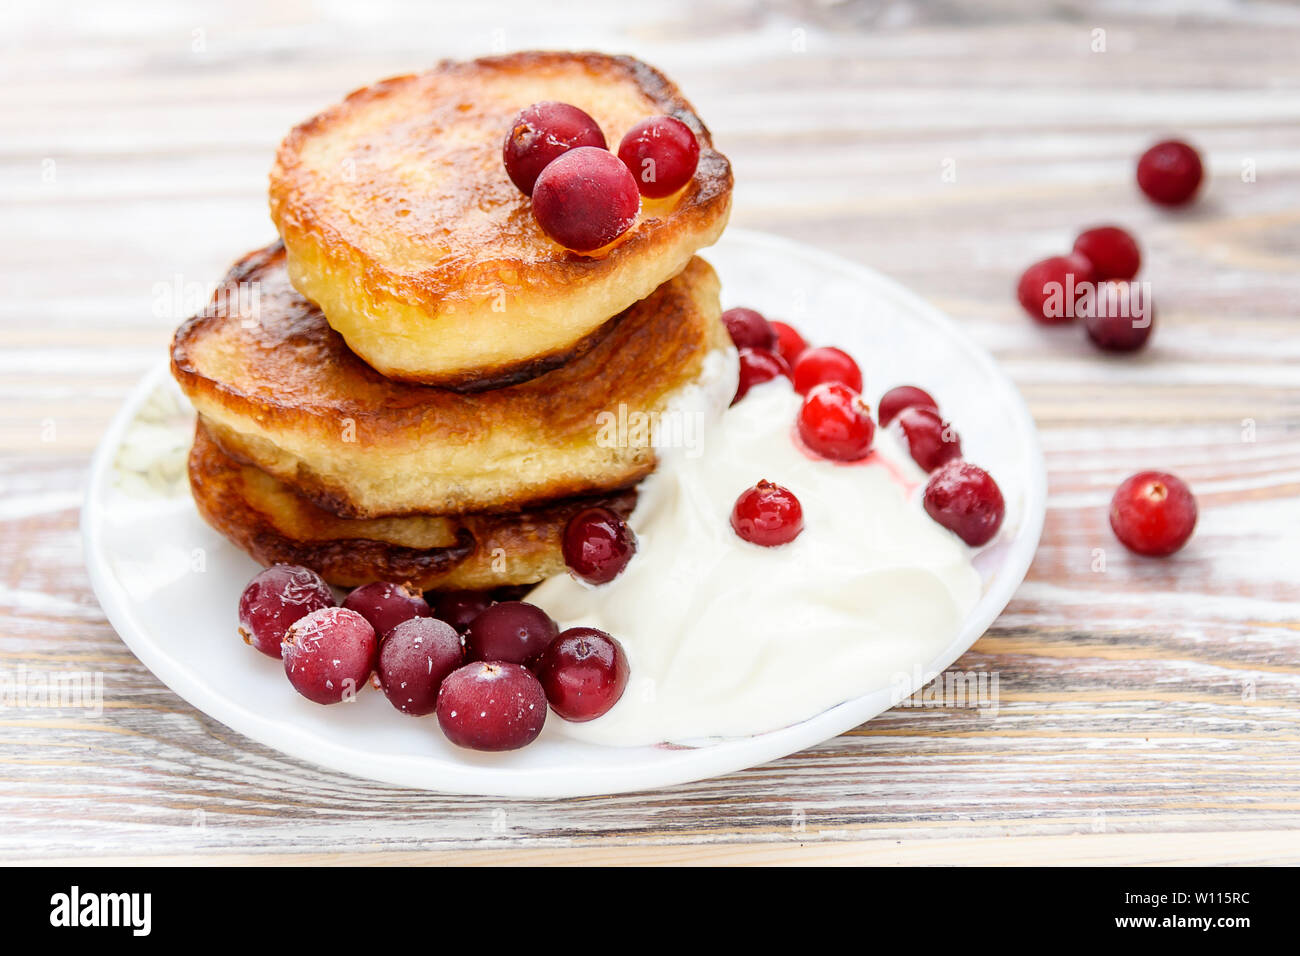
767,514
329,654
825,364
789,343
1170,173
931,441
1153,513
1120,318
274,599
662,153
1048,290
511,631
491,705
758,366
541,133
583,672
387,605
414,659
749,330
901,397
967,501
585,199
459,608
1114,253
597,545
835,423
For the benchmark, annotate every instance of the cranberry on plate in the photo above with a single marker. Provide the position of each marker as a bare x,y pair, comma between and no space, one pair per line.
825,364
414,659
329,654
967,501
491,705
930,440
585,199
758,366
512,631
459,608
748,329
662,154
1153,513
901,397
542,133
1170,173
583,672
789,343
835,423
597,545
767,515
387,605
276,598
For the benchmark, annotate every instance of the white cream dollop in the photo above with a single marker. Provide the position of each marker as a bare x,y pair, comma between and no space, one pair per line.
726,638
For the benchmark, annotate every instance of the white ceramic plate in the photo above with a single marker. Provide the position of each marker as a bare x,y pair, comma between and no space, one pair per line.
169,583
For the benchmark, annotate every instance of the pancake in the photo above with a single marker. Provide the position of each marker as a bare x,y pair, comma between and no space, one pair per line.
401,223
278,388
273,524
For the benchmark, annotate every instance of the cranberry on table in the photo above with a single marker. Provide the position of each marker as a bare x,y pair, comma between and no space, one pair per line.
491,705
511,631
542,133
789,343
662,154
1121,317
930,440
459,608
966,500
414,659
1114,253
749,330
1153,513
1048,290
901,397
825,364
767,515
330,654
583,672
758,366
597,545
585,199
1170,173
275,598
835,423
387,605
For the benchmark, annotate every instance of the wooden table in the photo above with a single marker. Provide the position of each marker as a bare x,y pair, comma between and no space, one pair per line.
1150,712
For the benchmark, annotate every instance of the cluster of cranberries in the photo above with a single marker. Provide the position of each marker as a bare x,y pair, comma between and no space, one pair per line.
488,669
835,423
584,196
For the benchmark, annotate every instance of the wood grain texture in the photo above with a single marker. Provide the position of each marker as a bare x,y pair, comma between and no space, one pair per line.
1148,712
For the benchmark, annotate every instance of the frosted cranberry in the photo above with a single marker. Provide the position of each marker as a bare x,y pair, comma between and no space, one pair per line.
767,514
835,422
387,605
329,654
459,608
758,366
662,153
1114,253
1153,513
901,397
597,545
585,199
930,440
749,330
511,631
491,705
414,659
542,133
1170,173
1049,290
789,343
814,366
967,501
583,672
1120,318
274,599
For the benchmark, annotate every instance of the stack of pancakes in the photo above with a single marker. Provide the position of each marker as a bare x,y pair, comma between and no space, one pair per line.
409,386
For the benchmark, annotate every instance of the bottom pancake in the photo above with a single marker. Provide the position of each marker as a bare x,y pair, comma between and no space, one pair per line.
276,525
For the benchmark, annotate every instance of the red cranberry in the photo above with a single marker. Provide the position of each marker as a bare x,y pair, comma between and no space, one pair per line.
597,545
1153,513
585,199
274,599
901,397
414,659
1170,173
541,133
789,343
1120,318
758,366
662,153
1049,289
491,705
749,330
825,364
583,672
835,423
459,608
1114,253
387,605
329,654
930,440
767,514
510,631
965,500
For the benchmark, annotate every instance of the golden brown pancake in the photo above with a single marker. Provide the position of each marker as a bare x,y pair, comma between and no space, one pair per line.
401,223
274,525
280,389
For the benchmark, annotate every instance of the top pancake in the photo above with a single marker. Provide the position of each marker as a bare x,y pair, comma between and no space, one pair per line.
400,222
